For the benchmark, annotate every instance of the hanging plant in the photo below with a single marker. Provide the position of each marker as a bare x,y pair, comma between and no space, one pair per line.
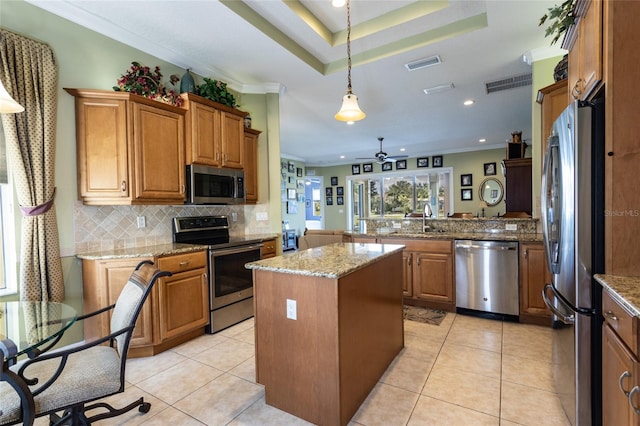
216,91
560,18
141,80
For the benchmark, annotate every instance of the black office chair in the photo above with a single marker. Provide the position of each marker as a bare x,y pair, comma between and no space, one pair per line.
67,379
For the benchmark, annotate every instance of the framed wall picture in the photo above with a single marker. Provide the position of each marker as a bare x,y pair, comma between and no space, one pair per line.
466,180
334,180
292,167
355,170
339,201
292,207
437,160
340,190
329,201
328,191
466,194
291,193
299,171
489,169
387,166
401,164
367,167
423,162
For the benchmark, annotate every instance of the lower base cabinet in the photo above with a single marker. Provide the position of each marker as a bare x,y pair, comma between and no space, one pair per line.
176,311
534,275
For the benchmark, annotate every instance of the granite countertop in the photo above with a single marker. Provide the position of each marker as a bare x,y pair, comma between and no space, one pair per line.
477,236
330,261
147,251
626,290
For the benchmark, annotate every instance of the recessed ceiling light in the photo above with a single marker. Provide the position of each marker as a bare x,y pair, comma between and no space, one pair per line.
482,140
342,156
437,89
469,102
402,149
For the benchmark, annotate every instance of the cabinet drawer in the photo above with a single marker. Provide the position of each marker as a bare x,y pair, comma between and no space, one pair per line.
183,262
620,320
431,246
269,248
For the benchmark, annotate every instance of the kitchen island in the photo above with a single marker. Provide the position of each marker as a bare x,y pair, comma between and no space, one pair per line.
328,322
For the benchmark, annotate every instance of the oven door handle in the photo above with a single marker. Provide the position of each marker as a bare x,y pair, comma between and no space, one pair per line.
234,250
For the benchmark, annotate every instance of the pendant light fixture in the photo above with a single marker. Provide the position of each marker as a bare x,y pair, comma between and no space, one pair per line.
350,111
7,104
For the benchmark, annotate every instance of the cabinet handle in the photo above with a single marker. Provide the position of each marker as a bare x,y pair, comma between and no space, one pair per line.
409,261
182,189
418,261
610,315
526,253
622,377
576,92
183,264
123,186
635,390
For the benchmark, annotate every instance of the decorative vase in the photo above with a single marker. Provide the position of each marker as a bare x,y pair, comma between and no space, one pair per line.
247,121
561,71
187,84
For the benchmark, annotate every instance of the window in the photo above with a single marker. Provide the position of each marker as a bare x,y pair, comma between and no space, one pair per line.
8,279
396,195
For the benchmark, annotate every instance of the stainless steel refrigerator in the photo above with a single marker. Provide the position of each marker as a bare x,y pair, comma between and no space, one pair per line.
573,227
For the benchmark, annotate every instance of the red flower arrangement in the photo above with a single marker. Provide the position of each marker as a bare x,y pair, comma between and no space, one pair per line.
142,81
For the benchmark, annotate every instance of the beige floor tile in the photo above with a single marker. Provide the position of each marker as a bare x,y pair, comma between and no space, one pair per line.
227,356
221,400
430,411
469,390
179,381
246,370
386,406
475,338
171,416
259,413
247,336
199,344
139,369
407,372
423,347
238,328
529,341
472,360
436,332
504,422
133,417
530,406
471,322
527,371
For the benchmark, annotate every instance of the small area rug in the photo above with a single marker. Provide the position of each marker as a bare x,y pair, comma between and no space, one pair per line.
425,315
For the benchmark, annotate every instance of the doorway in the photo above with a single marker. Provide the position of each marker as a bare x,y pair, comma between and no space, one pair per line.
314,209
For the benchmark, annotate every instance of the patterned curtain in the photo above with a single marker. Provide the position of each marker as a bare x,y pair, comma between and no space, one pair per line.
28,71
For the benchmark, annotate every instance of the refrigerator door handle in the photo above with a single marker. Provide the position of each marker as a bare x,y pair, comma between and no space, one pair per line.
566,319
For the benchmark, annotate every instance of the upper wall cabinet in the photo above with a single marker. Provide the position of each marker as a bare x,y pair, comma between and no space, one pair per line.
584,43
215,133
251,165
130,149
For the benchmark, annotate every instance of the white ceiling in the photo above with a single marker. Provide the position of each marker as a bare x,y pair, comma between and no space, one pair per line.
297,48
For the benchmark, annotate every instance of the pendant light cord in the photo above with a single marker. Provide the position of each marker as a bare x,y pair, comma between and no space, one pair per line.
348,47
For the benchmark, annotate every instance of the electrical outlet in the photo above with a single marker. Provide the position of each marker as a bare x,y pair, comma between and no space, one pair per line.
397,225
141,221
292,309
234,216
262,216
511,227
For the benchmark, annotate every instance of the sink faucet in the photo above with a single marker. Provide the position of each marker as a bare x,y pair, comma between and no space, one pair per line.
426,213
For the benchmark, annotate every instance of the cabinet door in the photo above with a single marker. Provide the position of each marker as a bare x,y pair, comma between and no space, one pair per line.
619,368
364,240
158,153
102,283
585,58
232,138
534,275
433,277
251,167
203,135
518,185
101,133
407,273
183,303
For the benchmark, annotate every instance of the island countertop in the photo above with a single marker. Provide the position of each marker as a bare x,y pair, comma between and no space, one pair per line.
626,290
331,261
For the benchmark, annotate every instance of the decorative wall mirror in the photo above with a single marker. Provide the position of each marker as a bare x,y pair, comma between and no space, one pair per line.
491,191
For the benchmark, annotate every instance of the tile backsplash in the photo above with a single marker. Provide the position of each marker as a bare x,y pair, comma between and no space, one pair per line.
99,228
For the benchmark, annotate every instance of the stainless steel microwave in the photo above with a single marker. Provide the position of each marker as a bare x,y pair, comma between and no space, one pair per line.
212,185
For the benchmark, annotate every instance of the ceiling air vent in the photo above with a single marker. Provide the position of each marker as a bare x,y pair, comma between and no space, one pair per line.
423,63
438,89
509,83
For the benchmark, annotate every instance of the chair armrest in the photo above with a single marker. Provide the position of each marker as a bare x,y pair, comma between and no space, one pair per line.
94,313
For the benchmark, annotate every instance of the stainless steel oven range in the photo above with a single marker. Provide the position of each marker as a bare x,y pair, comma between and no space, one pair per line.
230,283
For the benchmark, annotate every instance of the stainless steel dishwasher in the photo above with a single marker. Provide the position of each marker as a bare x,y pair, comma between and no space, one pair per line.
487,277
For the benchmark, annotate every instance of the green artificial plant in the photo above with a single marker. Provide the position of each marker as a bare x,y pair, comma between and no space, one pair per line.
560,19
216,91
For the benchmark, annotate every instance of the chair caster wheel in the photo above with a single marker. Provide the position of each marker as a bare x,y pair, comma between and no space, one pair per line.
145,407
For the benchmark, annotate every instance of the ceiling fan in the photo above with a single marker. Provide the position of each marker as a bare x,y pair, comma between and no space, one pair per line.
381,156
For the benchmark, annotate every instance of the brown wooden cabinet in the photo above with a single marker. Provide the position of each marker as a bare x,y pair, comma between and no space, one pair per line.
268,249
585,45
130,149
251,164
518,185
553,100
177,309
534,275
620,367
214,134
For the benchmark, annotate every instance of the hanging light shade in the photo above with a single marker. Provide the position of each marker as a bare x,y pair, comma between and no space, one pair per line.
350,110
7,104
